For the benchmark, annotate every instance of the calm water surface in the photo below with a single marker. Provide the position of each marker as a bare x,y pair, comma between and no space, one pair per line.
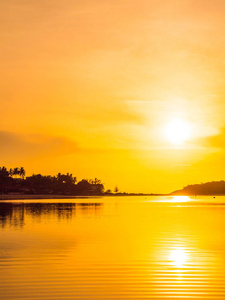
113,248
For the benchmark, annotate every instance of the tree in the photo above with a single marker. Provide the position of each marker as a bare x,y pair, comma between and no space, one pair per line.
4,172
116,190
68,178
16,171
22,172
83,186
5,180
11,172
97,181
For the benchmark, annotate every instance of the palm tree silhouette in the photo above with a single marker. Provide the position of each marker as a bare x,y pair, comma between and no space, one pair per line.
22,172
16,171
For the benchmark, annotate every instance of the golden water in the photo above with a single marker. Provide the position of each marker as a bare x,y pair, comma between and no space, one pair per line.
113,248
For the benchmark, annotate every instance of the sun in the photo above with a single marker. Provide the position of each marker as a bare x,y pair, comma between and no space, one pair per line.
178,131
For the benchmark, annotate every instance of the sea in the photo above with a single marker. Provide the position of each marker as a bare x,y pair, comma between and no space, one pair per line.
129,247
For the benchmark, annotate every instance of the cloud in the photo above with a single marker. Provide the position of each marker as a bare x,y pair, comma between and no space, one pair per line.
32,145
214,141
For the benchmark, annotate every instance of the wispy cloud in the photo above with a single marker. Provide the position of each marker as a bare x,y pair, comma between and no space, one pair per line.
214,141
28,145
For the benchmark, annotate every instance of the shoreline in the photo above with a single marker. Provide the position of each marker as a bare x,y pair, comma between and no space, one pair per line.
54,196
40,196
5,197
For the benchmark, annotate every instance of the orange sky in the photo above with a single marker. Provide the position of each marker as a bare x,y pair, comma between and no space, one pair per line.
89,87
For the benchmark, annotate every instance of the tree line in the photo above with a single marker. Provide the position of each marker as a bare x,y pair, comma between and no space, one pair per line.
12,172
14,180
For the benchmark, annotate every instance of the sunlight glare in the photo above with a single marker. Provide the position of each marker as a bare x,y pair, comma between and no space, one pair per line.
180,199
177,131
178,257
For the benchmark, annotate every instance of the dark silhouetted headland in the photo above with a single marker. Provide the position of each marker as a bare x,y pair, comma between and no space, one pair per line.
208,188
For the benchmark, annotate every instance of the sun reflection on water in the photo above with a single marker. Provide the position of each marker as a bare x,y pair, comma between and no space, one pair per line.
180,199
178,257
173,199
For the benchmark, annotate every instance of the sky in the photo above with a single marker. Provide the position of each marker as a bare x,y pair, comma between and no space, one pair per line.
91,87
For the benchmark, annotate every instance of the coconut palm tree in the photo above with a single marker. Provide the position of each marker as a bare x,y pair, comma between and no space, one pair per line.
11,172
22,172
16,171
4,172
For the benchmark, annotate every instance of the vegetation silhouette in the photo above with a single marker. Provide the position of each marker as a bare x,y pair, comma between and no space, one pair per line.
116,190
14,181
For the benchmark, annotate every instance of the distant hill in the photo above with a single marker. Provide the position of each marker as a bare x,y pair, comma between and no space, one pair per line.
208,188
